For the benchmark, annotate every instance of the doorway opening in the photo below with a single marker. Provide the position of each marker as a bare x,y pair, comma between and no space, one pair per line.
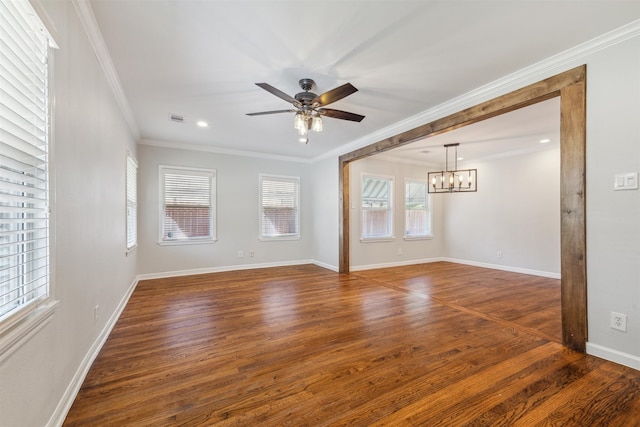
570,86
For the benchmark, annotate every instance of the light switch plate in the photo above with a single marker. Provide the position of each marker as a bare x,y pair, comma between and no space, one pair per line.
625,181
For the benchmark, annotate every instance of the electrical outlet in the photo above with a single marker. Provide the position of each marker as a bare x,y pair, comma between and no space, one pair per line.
399,251
252,253
618,321
96,313
240,254
499,254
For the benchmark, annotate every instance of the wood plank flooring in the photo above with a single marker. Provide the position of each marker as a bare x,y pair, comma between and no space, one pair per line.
430,345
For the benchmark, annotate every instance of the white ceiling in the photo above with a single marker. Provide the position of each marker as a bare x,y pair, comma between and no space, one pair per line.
201,59
516,132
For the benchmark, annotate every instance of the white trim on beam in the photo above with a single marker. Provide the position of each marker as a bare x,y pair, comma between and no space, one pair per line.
90,25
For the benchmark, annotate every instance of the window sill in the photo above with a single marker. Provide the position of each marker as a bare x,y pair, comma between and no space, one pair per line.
418,238
16,335
131,250
186,242
377,239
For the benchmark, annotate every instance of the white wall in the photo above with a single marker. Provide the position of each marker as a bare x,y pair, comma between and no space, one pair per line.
326,202
237,214
516,211
88,250
613,227
385,253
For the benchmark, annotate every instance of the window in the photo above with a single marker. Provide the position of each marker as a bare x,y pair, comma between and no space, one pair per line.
417,215
24,167
188,205
279,207
377,214
132,202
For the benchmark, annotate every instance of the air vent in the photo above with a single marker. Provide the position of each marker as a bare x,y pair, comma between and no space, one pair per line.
176,118
425,151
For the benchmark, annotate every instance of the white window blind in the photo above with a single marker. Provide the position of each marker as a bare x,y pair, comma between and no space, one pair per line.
132,202
417,221
188,204
24,180
279,207
377,214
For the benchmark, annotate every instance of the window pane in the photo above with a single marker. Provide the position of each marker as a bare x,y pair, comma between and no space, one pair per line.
376,207
279,212
375,223
24,179
417,221
188,204
132,203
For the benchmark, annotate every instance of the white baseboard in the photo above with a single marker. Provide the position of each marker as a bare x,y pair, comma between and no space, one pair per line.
355,268
327,266
456,261
504,268
612,355
61,411
221,269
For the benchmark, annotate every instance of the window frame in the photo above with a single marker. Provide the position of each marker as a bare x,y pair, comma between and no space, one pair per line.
278,178
131,202
390,209
187,171
428,211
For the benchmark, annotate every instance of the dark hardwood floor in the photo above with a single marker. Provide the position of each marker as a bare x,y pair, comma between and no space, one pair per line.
429,345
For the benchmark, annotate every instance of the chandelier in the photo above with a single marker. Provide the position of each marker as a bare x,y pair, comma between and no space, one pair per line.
455,180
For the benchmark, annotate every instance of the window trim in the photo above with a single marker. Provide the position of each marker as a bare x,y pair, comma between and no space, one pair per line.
283,237
429,235
213,217
387,238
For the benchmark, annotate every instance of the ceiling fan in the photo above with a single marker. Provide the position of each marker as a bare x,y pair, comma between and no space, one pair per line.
309,107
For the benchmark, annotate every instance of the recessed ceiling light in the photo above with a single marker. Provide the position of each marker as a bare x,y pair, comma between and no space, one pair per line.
544,141
460,158
202,124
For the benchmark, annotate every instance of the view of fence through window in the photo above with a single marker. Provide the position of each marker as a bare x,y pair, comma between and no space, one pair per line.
376,207
416,209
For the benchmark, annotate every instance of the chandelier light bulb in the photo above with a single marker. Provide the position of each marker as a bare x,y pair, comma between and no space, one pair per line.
316,124
299,122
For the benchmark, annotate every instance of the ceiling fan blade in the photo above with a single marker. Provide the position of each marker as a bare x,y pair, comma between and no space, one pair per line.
343,115
277,92
262,113
335,94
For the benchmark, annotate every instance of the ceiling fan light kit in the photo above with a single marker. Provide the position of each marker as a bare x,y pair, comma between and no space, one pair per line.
309,106
454,180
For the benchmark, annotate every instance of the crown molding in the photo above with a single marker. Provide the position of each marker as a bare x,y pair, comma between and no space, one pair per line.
87,18
538,71
217,150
